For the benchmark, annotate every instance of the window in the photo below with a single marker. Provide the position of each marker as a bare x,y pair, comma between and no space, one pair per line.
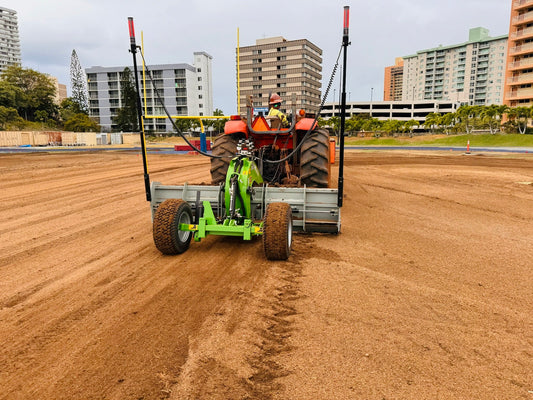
200,96
200,105
199,88
281,58
199,79
257,61
199,70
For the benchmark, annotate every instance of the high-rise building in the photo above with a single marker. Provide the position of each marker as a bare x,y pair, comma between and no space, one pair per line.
9,39
392,87
277,65
61,90
186,91
519,75
470,73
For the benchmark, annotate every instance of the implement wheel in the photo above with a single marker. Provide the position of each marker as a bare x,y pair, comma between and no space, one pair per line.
277,231
169,215
226,147
314,165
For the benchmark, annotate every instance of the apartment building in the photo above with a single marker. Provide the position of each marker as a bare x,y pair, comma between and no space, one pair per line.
519,74
393,83
471,73
277,65
9,39
187,90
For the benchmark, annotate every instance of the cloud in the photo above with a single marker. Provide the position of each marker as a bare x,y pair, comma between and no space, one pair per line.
380,30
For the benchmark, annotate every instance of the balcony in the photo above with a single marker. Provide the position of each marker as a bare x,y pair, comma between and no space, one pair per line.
520,94
522,34
522,64
520,79
521,49
524,18
520,4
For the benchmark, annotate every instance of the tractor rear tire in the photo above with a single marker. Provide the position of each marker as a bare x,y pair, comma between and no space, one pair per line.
314,164
277,231
226,147
167,219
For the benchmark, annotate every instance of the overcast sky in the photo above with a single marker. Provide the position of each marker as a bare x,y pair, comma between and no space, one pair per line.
380,30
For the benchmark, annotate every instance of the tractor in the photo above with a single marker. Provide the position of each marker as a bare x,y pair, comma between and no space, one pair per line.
309,164
267,181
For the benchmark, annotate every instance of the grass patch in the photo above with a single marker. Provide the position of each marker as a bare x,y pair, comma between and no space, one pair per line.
511,140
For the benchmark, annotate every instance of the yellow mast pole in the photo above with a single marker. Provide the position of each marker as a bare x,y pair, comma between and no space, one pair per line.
144,74
238,75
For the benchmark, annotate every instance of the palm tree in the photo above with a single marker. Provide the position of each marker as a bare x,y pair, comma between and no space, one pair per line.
492,115
466,115
522,115
448,120
432,120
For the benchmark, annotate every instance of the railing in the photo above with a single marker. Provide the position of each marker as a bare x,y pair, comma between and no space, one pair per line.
521,48
521,78
522,63
527,93
523,17
523,32
519,3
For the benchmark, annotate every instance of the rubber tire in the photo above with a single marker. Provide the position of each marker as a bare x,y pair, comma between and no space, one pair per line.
277,231
314,164
167,237
224,146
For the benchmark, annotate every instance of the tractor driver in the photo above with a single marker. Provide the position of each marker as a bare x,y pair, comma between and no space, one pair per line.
275,104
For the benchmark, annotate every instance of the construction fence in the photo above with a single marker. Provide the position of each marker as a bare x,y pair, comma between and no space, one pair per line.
58,138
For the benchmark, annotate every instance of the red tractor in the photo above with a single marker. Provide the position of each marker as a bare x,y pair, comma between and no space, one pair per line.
303,147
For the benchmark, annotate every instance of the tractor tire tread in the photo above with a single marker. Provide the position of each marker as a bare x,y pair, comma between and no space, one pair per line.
277,231
314,165
226,147
165,226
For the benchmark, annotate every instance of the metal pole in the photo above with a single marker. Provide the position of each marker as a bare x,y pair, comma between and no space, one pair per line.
133,50
345,44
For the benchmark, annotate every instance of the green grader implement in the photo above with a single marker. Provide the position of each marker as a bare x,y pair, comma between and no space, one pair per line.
268,181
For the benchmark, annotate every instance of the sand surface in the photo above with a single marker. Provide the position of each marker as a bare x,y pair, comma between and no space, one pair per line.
426,294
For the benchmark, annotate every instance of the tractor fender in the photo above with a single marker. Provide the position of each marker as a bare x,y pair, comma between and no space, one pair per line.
237,126
305,124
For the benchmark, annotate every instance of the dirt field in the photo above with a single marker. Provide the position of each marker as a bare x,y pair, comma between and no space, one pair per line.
426,294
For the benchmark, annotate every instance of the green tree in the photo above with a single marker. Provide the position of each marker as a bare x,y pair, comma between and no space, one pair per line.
433,121
392,126
81,123
34,91
183,125
448,121
409,125
522,115
78,81
9,116
126,119
219,123
68,108
492,115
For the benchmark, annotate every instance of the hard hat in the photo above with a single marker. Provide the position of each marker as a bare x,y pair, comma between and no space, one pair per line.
274,99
